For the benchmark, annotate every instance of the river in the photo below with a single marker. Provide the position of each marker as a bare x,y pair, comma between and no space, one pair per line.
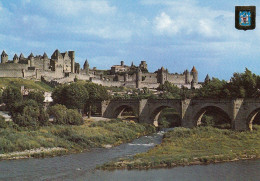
81,166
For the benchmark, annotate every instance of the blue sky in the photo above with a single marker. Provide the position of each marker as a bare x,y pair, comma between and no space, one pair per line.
176,34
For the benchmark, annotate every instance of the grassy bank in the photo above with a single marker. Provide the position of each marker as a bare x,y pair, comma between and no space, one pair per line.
200,145
29,84
70,138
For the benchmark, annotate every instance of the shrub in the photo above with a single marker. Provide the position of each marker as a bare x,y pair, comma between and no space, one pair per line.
3,123
63,116
74,117
59,112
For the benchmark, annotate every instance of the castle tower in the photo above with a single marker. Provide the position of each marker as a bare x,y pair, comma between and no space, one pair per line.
143,65
207,79
21,57
45,61
122,63
138,78
4,57
162,75
55,63
15,59
31,60
72,57
187,76
86,67
45,56
194,74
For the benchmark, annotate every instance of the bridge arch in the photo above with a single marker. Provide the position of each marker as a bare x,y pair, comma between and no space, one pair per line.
212,110
251,118
118,111
156,112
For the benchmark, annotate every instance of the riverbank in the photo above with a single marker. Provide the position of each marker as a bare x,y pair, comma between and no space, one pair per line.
16,143
202,145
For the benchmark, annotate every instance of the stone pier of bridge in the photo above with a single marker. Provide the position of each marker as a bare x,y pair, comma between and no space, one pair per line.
240,112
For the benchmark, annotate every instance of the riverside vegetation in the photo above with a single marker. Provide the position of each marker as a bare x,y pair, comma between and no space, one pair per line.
33,134
201,145
70,138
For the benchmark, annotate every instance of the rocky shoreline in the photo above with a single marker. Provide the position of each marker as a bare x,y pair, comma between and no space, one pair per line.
38,152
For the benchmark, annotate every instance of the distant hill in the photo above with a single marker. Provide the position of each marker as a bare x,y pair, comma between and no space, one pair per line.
29,84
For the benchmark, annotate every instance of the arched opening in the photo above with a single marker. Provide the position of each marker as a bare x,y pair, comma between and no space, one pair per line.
213,116
254,119
166,117
125,112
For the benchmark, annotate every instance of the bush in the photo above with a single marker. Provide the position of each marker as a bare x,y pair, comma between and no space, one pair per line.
3,123
63,116
74,117
163,123
59,112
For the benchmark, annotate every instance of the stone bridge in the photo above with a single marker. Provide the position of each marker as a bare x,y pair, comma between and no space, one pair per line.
240,112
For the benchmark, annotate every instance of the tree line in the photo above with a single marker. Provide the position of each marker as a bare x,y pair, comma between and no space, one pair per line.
70,101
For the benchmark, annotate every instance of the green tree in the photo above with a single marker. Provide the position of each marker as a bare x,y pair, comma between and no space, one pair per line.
170,90
244,85
26,113
96,93
58,94
214,89
37,96
11,94
73,96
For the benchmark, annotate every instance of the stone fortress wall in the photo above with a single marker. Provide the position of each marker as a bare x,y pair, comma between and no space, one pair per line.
61,68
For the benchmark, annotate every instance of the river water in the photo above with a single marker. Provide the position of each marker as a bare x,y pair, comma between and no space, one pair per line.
82,167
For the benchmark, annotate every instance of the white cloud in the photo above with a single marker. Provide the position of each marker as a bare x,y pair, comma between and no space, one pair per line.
164,24
187,17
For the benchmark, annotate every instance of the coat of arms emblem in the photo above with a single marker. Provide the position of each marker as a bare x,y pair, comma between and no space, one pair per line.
245,18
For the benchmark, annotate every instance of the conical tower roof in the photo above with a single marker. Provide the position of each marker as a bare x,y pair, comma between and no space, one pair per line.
207,78
3,53
45,55
21,55
86,64
31,55
15,56
194,69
